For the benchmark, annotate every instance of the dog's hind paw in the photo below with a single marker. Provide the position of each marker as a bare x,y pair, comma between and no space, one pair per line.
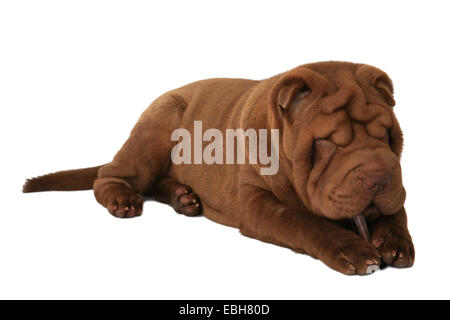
125,205
185,201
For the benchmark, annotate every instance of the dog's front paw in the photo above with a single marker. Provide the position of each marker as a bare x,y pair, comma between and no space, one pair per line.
395,245
350,254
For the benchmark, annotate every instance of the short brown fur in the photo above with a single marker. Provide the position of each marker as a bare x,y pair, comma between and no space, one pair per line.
340,146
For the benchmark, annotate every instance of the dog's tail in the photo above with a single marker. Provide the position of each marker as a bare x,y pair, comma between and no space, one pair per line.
69,180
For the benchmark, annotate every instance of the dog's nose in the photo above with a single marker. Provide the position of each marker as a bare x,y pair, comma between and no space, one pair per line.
377,182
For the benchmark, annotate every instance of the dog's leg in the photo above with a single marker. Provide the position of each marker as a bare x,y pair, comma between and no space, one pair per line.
179,196
391,236
265,218
142,159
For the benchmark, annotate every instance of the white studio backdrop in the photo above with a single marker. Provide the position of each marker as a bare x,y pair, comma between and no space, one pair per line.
74,78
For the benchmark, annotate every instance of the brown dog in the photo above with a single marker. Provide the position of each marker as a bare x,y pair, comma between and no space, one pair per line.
340,146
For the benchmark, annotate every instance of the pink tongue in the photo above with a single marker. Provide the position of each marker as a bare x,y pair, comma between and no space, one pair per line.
361,224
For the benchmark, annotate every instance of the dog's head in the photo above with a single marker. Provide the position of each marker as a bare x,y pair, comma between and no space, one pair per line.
341,138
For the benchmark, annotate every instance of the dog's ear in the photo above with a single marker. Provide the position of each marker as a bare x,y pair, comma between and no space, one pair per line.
370,77
293,94
295,87
384,85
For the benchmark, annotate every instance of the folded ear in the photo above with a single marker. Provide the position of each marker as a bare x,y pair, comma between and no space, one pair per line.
293,94
384,85
296,86
371,77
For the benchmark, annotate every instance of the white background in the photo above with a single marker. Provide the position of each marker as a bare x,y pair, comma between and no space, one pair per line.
74,77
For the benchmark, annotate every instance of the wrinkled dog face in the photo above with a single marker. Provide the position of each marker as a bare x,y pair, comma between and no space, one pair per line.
344,141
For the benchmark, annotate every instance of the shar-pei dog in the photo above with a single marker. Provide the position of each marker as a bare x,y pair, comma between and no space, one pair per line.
311,162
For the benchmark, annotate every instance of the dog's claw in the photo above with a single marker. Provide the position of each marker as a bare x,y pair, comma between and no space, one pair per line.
372,268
